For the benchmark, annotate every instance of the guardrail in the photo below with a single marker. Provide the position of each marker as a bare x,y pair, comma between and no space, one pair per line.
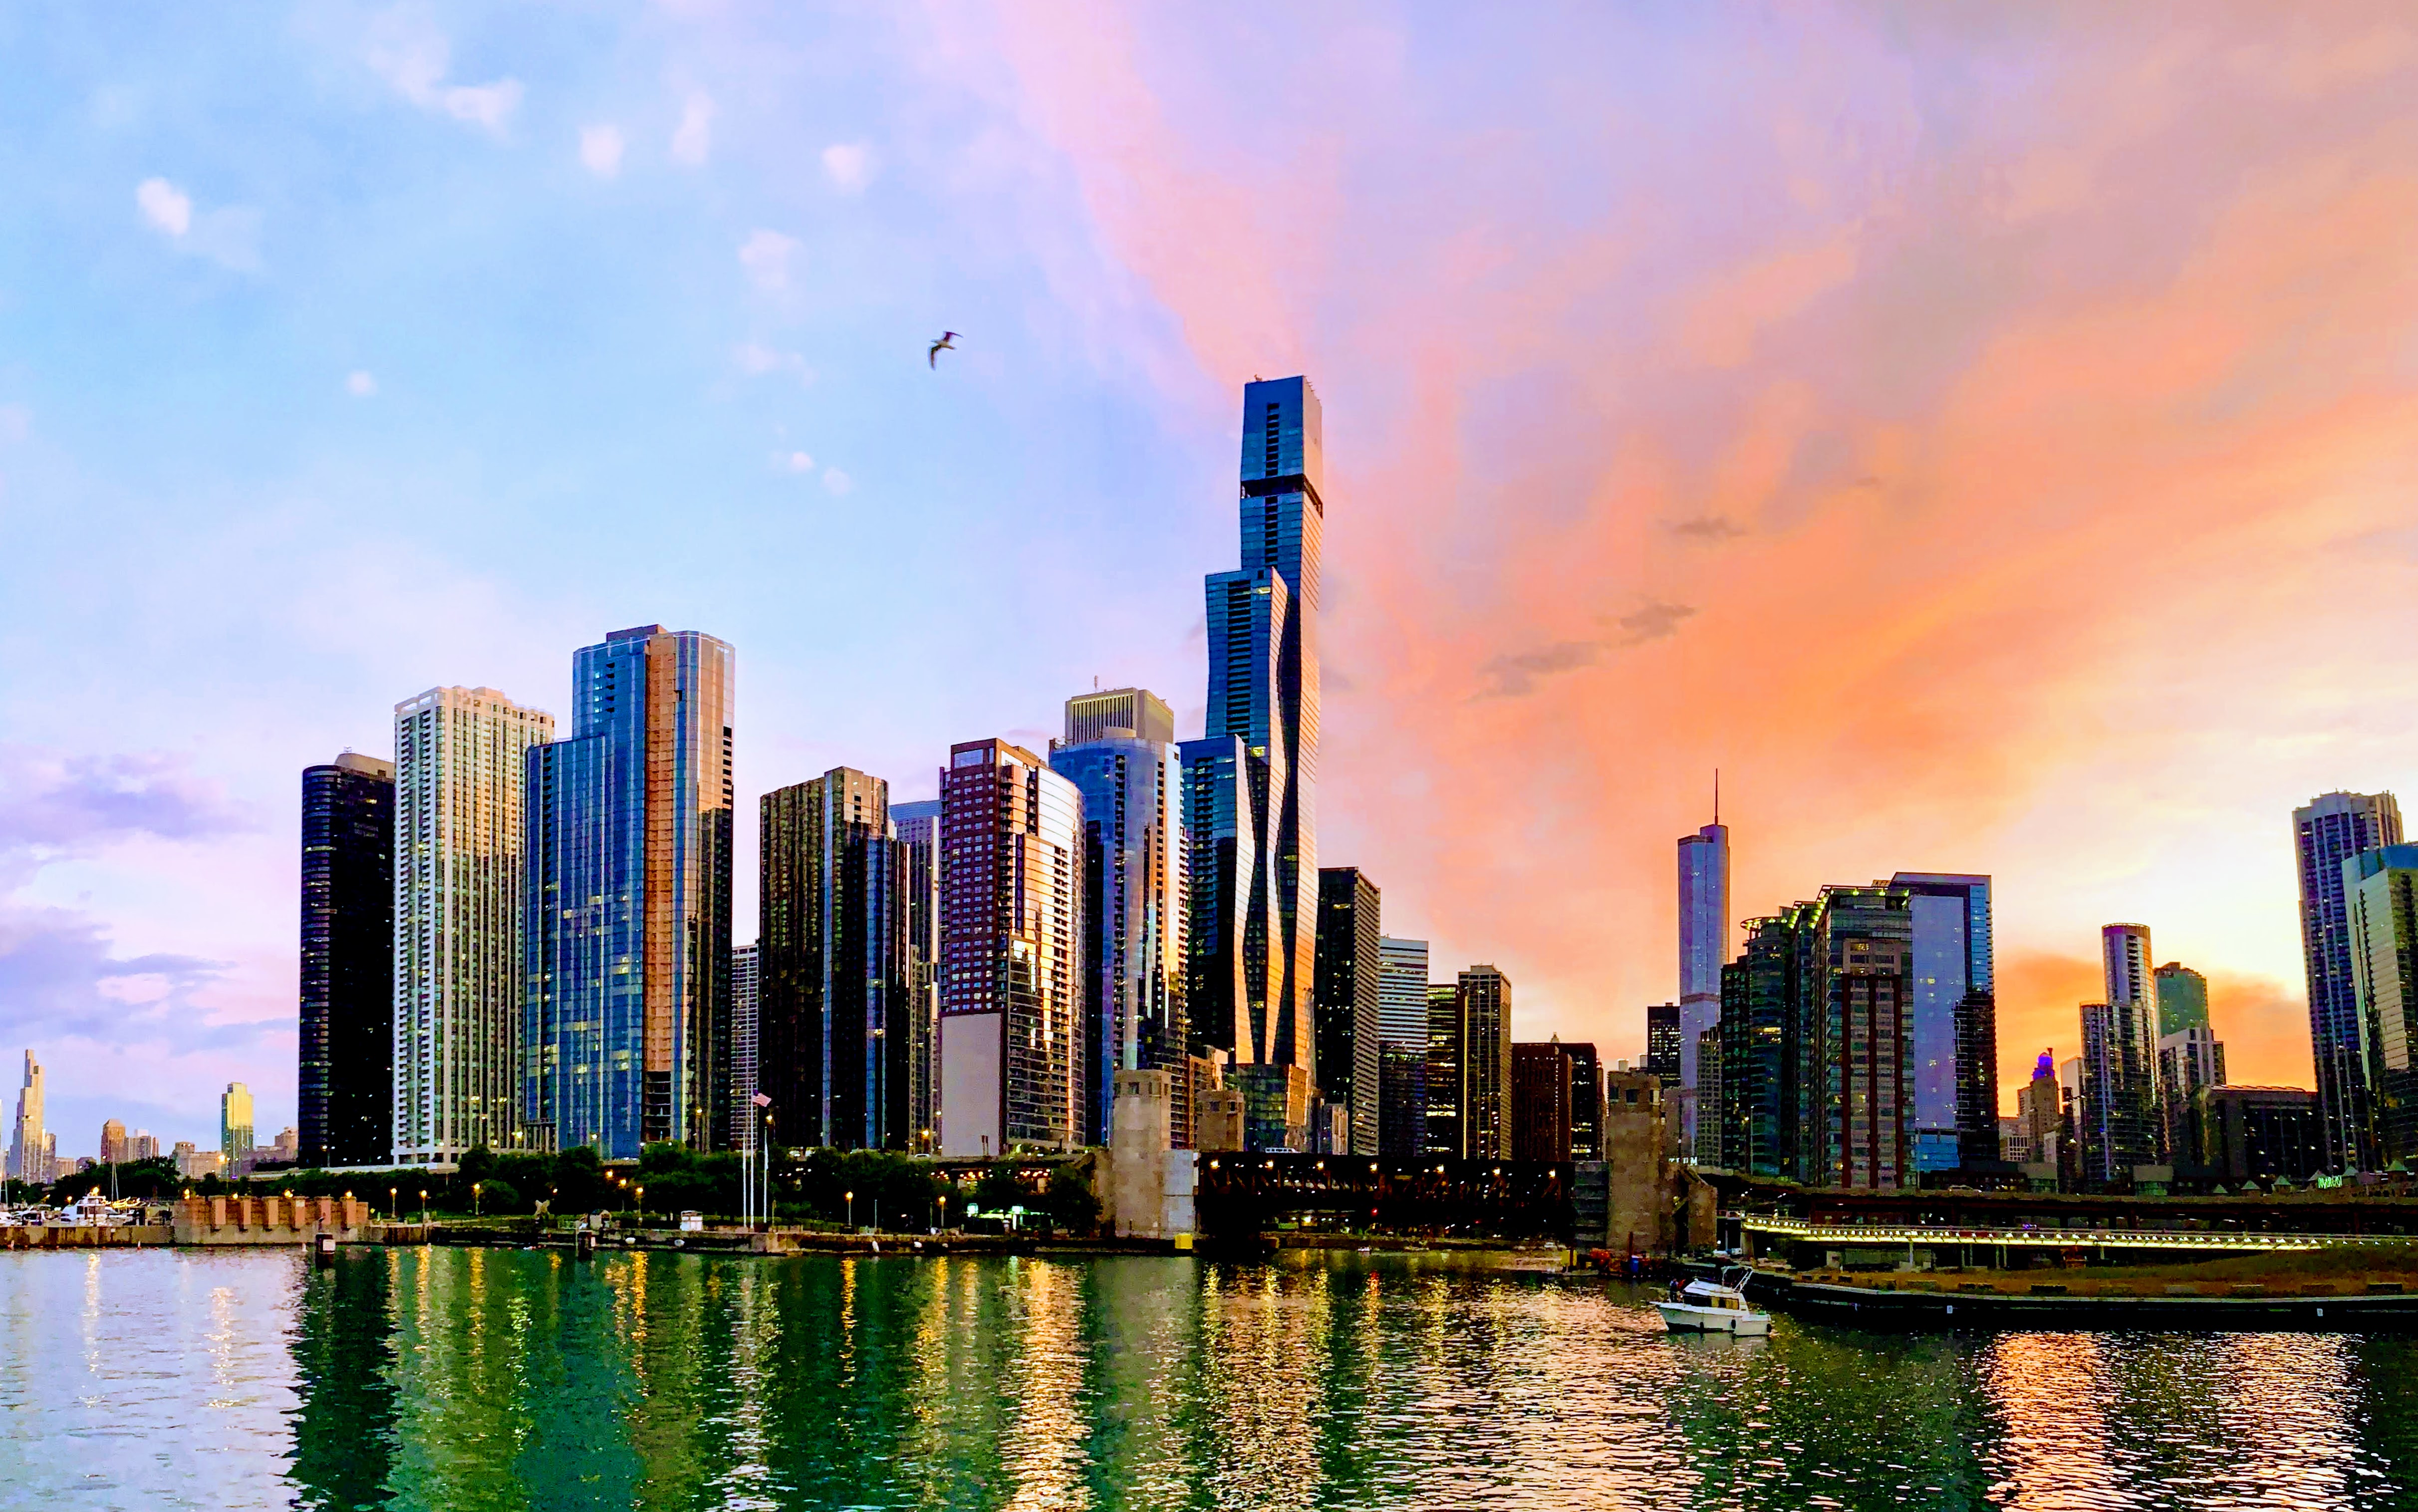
1808,1232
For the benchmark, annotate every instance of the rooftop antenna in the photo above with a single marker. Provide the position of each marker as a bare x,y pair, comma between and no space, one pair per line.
1717,797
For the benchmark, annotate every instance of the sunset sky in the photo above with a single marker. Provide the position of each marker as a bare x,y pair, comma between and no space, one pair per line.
1989,435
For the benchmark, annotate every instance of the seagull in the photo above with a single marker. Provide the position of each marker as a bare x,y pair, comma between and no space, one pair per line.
948,343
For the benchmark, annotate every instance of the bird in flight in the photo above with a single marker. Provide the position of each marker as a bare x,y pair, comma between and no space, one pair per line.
948,343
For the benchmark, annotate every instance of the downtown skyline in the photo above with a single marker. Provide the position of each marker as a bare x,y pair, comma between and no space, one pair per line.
1536,624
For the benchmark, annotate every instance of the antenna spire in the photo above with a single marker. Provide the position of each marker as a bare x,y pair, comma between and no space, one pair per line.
1717,797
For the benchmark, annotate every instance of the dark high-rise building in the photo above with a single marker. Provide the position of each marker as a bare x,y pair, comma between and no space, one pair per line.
1223,895
1402,1091
1012,973
1133,880
1263,624
1586,1101
1347,998
1953,1033
1662,1058
919,890
626,1042
1761,1035
1486,1062
1541,1103
2261,1134
832,1006
345,1080
2120,1120
1448,1086
2329,831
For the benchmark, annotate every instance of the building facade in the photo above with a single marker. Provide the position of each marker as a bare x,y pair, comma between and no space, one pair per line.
1486,1062
1263,690
29,1140
1953,1028
1012,970
918,876
1348,997
1587,1099
1703,951
1402,1036
2121,1122
234,1128
1448,1068
2327,832
2188,1060
1134,958
2258,1134
831,947
1540,1101
1663,1056
460,917
2182,999
2380,921
746,1118
1225,890
344,1079
626,1038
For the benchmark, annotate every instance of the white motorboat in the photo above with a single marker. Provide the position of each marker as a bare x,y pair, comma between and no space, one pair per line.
1713,1308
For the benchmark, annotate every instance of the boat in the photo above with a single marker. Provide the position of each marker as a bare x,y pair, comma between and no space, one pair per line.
1713,1308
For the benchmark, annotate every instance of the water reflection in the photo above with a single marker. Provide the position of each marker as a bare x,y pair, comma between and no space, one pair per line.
453,1379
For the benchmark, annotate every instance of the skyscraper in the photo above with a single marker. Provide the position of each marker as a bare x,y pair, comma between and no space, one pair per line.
919,890
29,1143
746,1118
1347,996
627,1039
1586,1100
833,1047
460,908
1704,950
1954,1029
113,1142
1761,1066
2188,1060
1540,1101
1402,1053
1486,1062
1662,1054
2119,1123
2327,832
234,1128
2380,918
1447,1082
1226,890
1133,875
344,1083
1011,975
1403,991
2182,999
1263,624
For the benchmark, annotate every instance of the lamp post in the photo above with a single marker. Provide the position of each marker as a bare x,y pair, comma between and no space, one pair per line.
642,1205
393,1205
474,1197
944,1226
423,1207
849,1197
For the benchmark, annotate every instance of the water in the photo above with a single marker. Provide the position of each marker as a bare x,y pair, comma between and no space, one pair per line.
469,1379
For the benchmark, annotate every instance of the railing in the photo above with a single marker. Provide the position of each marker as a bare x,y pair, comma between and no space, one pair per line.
1877,1233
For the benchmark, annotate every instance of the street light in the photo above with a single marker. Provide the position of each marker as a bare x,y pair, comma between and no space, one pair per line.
423,1207
394,1206
474,1197
642,1205
849,1197
943,1226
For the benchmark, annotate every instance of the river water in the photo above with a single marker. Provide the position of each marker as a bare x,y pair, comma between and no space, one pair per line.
473,1379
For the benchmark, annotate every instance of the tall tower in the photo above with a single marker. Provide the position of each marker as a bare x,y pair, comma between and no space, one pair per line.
345,1080
627,1037
2120,1122
1262,622
1704,950
234,1128
2327,832
2381,897
29,1142
1011,952
460,908
832,947
918,824
1954,1029
1118,754
1348,997
745,1117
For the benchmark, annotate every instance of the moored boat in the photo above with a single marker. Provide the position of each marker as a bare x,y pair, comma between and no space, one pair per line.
1713,1308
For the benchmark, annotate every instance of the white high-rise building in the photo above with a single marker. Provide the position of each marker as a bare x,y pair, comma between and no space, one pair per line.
458,920
1403,991
29,1145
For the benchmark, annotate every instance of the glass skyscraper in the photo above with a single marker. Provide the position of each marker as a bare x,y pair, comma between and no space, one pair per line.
918,824
1118,756
1012,973
1225,893
2119,1123
460,910
1704,950
1263,625
627,1033
2327,832
1347,998
1953,1028
2380,916
344,1081
1402,1053
833,962
746,1118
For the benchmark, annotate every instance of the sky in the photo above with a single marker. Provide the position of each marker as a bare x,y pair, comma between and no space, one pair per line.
1987,434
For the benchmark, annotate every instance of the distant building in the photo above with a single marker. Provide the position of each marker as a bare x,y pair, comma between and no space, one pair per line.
2182,999
1403,993
142,1145
234,1127
29,1146
1223,894
1704,950
193,1165
1713,1107
1403,1033
1012,982
1952,1030
919,889
2263,1133
460,917
2014,1141
1486,1061
283,1151
1662,1054
2040,1109
2327,832
2380,918
344,1083
1762,1049
113,1142
1587,1099
1541,1103
2121,1124
2188,1060
1347,997
745,1117
1635,1142
1134,957
832,970
1448,1087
